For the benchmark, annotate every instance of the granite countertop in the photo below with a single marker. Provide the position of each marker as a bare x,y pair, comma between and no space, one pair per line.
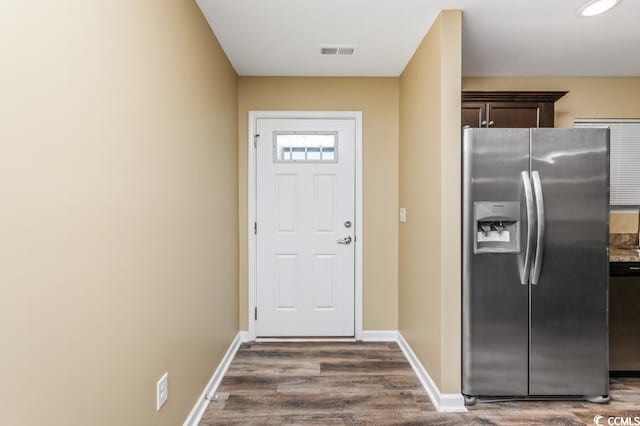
624,248
623,254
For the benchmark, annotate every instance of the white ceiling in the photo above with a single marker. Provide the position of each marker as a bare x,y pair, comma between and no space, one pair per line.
500,37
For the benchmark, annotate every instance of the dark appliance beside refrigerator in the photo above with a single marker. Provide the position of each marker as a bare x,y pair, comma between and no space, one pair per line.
624,319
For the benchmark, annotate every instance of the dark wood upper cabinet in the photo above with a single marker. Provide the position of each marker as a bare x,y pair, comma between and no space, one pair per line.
509,109
474,114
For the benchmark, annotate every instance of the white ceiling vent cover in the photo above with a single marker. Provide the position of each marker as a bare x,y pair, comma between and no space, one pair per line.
338,50
328,50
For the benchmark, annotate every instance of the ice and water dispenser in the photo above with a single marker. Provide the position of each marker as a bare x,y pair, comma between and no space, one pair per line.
496,226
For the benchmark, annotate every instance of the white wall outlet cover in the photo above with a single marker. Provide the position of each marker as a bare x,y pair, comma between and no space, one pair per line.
403,214
162,391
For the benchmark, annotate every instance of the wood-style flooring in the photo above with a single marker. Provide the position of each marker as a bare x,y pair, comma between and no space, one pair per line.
371,384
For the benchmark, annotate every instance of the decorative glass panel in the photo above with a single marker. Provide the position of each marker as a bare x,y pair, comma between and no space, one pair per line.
314,147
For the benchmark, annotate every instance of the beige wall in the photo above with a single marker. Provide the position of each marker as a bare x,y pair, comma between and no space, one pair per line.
624,222
377,98
118,179
588,97
429,278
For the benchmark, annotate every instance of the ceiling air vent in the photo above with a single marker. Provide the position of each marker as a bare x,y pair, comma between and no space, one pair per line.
346,50
328,50
337,50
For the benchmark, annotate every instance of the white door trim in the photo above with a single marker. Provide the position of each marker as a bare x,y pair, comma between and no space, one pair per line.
251,205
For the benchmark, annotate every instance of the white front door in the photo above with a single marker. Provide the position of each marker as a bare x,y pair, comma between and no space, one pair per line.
305,185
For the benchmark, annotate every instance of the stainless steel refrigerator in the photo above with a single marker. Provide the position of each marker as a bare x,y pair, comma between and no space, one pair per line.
535,263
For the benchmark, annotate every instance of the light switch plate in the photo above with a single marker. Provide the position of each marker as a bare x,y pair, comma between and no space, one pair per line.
403,215
162,391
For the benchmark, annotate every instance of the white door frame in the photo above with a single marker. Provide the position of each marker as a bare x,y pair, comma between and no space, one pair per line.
251,174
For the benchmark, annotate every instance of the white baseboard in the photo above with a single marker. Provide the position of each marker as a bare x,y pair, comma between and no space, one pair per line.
379,336
244,336
201,405
453,402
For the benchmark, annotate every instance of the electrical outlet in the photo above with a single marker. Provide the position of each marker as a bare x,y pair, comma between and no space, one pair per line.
162,391
403,215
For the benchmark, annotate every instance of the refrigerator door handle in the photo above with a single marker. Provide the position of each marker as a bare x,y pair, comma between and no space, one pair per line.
528,197
537,264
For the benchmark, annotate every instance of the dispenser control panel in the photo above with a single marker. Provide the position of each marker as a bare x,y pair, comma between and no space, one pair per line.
496,226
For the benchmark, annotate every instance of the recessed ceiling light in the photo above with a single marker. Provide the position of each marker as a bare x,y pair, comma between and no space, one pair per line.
596,7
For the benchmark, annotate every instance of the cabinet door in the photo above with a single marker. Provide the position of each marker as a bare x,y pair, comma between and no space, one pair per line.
514,114
473,114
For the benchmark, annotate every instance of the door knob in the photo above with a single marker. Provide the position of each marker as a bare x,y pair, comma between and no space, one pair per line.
345,240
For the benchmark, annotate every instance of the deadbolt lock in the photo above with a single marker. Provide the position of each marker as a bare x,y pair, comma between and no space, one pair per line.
347,224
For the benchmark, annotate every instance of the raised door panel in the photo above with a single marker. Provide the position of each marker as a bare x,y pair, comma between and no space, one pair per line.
324,203
286,205
473,114
324,281
510,115
286,279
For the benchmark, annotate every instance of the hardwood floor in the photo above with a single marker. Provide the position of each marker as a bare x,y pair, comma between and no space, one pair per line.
370,384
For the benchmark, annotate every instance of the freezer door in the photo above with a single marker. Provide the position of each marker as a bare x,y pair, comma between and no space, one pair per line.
495,302
569,290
